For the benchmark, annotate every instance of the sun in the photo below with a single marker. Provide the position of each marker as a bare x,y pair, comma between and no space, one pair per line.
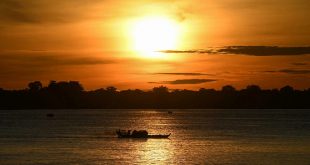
152,34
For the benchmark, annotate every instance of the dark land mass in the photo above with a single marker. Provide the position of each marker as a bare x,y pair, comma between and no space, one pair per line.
71,95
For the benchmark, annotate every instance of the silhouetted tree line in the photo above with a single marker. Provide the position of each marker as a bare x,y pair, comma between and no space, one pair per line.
62,95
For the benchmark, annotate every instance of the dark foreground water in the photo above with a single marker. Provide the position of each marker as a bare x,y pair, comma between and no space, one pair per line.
197,137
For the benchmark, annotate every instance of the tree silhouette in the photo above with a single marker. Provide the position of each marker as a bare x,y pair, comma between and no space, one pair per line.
71,94
228,89
111,89
35,86
253,89
160,90
287,89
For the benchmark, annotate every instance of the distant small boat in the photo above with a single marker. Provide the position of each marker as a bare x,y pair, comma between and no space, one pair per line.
139,134
50,115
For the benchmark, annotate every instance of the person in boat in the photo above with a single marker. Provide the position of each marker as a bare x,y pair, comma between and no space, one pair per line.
140,133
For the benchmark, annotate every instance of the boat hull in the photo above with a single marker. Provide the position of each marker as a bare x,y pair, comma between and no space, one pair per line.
148,136
121,135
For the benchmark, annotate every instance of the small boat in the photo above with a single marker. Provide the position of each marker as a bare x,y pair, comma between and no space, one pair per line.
139,134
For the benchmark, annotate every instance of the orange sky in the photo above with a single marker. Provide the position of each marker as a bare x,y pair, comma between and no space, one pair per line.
95,42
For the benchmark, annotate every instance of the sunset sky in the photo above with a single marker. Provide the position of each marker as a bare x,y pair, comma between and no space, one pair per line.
141,44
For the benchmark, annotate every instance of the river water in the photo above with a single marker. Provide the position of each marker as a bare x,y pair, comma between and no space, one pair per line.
197,137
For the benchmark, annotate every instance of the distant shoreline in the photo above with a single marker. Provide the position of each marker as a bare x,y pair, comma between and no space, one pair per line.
71,95
156,109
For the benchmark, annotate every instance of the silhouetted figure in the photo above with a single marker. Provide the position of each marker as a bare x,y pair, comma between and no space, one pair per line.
139,134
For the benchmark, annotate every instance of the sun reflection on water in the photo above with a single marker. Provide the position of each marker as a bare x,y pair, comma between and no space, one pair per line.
155,151
152,151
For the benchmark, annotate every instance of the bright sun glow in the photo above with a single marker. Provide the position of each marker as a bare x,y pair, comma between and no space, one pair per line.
153,34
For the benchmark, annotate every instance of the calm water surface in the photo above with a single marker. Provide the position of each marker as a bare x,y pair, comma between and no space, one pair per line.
197,137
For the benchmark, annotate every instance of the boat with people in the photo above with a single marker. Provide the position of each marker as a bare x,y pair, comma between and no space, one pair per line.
139,134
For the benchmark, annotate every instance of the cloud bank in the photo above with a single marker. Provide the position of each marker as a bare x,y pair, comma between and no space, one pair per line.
45,11
248,50
291,71
46,58
182,74
185,81
299,63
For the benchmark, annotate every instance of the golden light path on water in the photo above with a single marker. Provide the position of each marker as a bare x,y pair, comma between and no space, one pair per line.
156,150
